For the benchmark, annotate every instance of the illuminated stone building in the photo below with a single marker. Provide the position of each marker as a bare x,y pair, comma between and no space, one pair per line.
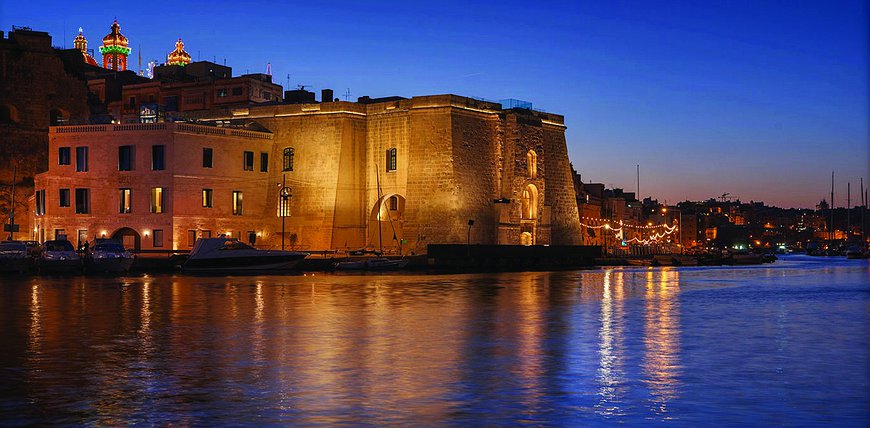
416,170
114,49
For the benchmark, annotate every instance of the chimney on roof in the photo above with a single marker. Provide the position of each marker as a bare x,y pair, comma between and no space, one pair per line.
326,95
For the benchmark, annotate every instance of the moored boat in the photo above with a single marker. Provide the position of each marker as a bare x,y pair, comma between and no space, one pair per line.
229,255
14,257
108,256
59,256
372,264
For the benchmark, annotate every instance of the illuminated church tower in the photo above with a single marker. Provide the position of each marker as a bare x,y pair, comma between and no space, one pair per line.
178,56
81,44
115,50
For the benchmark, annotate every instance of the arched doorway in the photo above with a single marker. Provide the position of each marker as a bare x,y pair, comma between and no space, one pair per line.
129,237
387,215
528,215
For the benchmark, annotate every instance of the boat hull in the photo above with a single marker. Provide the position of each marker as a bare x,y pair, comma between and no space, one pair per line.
109,265
19,265
60,266
242,264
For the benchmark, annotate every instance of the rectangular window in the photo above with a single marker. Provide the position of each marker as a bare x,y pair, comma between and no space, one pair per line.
157,200
40,202
125,198
83,201
125,158
82,159
221,93
288,158
237,91
132,104
158,237
252,237
264,162
249,161
207,157
59,233
157,157
206,198
191,237
83,237
237,202
63,156
206,234
391,159
63,198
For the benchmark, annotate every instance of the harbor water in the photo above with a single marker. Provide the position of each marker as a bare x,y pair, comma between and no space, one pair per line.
780,344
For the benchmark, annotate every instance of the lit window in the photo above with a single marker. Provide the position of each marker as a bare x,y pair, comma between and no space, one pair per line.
237,202
288,159
391,159
249,161
221,93
206,198
125,201
157,200
191,237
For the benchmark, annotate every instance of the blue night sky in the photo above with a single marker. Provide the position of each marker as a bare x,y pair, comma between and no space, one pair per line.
759,99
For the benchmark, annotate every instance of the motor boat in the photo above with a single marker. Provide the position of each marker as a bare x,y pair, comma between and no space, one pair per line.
59,256
222,255
373,264
14,257
108,256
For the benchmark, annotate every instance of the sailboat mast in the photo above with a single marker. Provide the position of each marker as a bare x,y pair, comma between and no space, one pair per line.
832,206
848,209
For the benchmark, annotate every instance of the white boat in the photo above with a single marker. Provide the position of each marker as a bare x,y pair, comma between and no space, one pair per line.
223,255
375,263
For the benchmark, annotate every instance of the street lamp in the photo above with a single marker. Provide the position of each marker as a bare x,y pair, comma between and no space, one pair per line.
285,201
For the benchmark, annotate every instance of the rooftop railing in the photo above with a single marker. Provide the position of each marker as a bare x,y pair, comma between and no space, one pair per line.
175,127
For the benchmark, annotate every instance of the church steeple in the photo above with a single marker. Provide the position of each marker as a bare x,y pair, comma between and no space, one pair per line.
115,49
81,43
178,56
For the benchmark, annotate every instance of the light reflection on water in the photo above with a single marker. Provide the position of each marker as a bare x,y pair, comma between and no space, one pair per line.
783,344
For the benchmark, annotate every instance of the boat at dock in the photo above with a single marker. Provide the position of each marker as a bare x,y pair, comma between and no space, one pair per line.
14,257
108,256
373,264
229,255
59,257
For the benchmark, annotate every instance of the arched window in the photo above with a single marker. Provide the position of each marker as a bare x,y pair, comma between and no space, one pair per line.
530,203
532,161
394,203
288,159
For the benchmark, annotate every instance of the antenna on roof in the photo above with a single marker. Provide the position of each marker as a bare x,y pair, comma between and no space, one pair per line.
269,68
288,81
347,94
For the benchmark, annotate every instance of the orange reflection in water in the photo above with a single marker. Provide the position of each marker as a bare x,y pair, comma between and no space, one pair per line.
662,339
611,372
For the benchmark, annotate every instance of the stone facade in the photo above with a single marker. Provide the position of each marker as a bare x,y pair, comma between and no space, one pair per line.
36,91
398,174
